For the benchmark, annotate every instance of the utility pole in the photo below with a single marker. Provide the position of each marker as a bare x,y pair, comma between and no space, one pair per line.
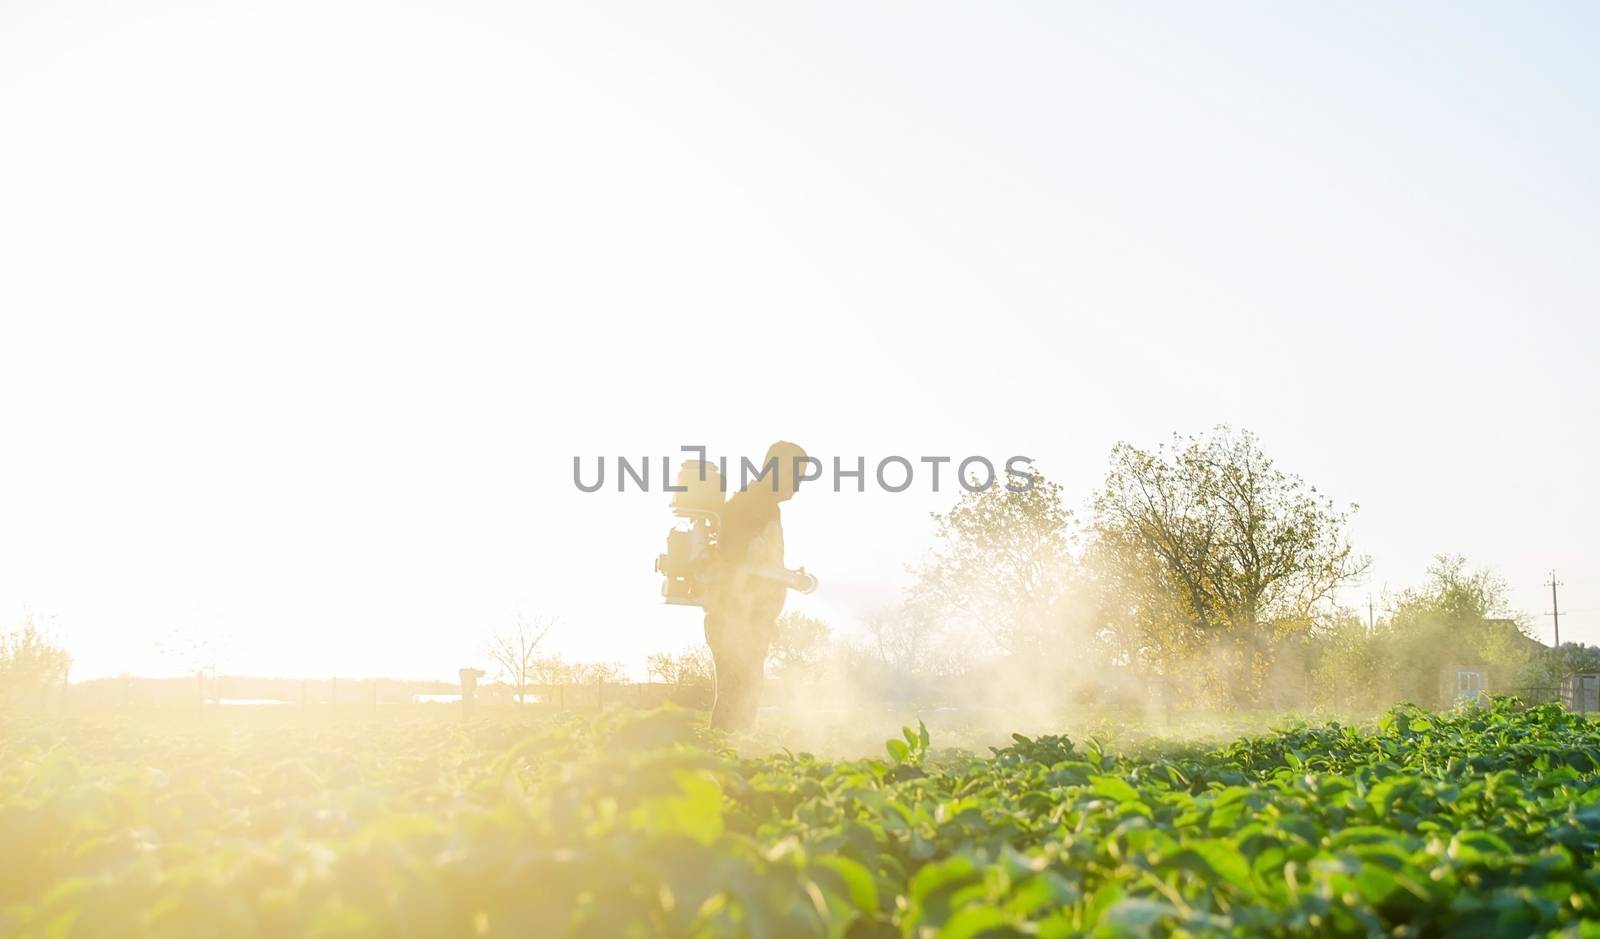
1370,622
1555,607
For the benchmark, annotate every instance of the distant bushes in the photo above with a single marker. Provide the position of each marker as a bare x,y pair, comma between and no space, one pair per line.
32,666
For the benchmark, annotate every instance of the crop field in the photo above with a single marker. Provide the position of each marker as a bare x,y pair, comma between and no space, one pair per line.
1478,822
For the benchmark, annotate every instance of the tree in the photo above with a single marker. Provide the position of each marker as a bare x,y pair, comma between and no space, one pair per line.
800,646
1231,553
904,640
904,653
1002,567
515,651
1354,669
1574,657
552,669
1452,595
1127,604
194,650
602,673
30,661
1458,615
689,668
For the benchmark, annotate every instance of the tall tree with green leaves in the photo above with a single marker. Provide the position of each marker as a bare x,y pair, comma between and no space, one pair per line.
1003,567
1228,553
1457,615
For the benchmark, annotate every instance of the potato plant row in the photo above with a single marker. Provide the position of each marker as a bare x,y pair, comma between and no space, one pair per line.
1480,822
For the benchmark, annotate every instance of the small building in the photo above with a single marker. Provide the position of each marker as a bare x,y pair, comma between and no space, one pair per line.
1580,692
1483,654
1465,683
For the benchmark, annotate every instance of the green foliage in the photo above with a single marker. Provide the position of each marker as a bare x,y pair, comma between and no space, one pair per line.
30,663
800,646
1356,669
1479,822
1453,596
1449,619
1570,659
1215,549
1457,616
1002,567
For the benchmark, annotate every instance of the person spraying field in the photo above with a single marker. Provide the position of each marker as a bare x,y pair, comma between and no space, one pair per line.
729,560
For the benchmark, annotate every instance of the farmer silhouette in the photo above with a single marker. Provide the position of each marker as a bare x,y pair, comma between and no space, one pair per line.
746,596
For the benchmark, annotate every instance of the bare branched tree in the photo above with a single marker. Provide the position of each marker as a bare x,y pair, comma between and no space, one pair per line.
907,640
516,651
194,650
552,669
692,666
604,673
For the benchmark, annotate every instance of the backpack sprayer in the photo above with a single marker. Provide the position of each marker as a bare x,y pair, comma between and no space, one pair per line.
691,545
689,564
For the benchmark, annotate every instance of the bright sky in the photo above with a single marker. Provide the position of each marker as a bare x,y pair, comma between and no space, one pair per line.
308,306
